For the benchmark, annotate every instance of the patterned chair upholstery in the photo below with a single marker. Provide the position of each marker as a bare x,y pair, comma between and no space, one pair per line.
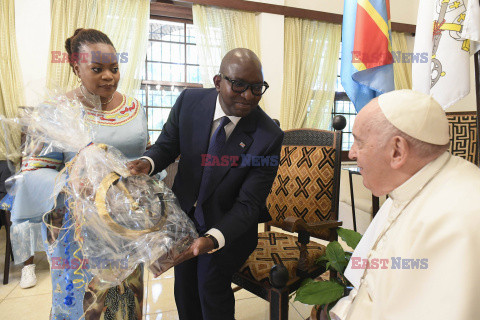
304,200
464,135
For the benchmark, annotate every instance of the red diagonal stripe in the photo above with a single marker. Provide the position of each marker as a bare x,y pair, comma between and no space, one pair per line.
370,44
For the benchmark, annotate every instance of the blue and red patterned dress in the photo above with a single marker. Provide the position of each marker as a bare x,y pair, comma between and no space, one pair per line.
124,128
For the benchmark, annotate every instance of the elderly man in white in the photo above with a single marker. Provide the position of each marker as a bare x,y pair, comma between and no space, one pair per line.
418,258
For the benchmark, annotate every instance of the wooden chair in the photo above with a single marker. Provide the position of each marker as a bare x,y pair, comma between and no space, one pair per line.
5,220
304,200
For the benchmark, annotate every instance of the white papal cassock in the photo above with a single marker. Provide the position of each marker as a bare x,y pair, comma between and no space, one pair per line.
429,232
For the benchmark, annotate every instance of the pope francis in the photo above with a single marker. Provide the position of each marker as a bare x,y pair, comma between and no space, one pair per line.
417,260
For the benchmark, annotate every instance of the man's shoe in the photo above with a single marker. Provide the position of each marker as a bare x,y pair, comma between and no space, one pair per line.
28,277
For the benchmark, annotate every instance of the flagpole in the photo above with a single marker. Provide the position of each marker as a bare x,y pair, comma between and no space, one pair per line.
477,93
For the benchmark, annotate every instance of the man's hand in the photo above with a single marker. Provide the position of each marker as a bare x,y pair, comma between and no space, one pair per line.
139,166
199,246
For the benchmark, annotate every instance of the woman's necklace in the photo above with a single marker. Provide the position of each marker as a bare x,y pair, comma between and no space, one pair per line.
94,103
109,100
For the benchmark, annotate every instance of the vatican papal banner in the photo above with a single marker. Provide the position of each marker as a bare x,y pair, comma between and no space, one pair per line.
449,32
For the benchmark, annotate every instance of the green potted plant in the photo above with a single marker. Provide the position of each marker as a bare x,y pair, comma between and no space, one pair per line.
326,293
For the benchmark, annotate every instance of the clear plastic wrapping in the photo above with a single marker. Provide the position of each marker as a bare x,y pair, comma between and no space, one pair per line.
119,220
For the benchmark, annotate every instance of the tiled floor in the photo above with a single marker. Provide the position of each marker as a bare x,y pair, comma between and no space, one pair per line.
34,303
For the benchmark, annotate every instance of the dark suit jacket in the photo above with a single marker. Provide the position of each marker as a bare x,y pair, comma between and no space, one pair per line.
235,200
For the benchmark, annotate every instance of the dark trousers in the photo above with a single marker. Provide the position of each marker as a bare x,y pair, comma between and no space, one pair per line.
203,290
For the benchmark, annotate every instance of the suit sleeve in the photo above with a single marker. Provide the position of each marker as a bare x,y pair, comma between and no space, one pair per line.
167,147
252,196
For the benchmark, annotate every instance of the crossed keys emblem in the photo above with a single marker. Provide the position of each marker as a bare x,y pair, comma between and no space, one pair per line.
455,29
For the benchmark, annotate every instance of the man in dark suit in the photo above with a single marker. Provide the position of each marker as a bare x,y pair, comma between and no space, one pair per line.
229,153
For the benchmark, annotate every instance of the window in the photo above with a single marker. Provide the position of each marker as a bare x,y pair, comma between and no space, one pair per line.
343,106
171,65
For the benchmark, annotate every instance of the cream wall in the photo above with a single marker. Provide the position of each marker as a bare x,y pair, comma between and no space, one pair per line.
272,52
404,11
469,103
335,6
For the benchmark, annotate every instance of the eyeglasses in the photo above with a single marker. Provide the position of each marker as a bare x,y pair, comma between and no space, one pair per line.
240,86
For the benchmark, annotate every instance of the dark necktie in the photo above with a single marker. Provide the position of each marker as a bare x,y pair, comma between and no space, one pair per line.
216,144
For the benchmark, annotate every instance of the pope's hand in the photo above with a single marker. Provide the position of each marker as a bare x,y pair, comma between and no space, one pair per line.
139,166
323,314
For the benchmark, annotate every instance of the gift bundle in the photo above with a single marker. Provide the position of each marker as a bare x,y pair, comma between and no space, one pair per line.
118,220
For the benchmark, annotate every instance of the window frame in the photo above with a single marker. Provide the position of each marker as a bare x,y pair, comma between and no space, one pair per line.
148,84
341,96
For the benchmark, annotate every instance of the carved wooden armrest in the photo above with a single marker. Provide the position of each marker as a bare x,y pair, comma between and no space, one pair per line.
295,224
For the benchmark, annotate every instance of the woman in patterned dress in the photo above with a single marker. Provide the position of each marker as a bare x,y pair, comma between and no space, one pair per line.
121,123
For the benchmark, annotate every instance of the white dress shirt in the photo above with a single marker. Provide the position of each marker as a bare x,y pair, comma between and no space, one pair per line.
218,114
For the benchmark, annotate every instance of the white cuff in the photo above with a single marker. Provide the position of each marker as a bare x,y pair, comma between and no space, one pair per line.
217,234
151,163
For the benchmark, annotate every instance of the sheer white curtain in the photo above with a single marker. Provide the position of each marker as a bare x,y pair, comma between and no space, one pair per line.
402,71
310,71
125,22
11,84
219,31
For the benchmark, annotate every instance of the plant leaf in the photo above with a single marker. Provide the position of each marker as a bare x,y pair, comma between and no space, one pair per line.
336,256
352,238
319,292
321,258
306,281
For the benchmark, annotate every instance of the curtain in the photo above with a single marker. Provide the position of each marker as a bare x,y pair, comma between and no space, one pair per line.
11,83
125,22
219,31
310,71
402,71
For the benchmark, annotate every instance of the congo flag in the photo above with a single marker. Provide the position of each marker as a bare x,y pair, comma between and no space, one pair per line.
367,62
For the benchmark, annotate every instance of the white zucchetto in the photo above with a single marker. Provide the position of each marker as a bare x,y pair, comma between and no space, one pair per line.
416,114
